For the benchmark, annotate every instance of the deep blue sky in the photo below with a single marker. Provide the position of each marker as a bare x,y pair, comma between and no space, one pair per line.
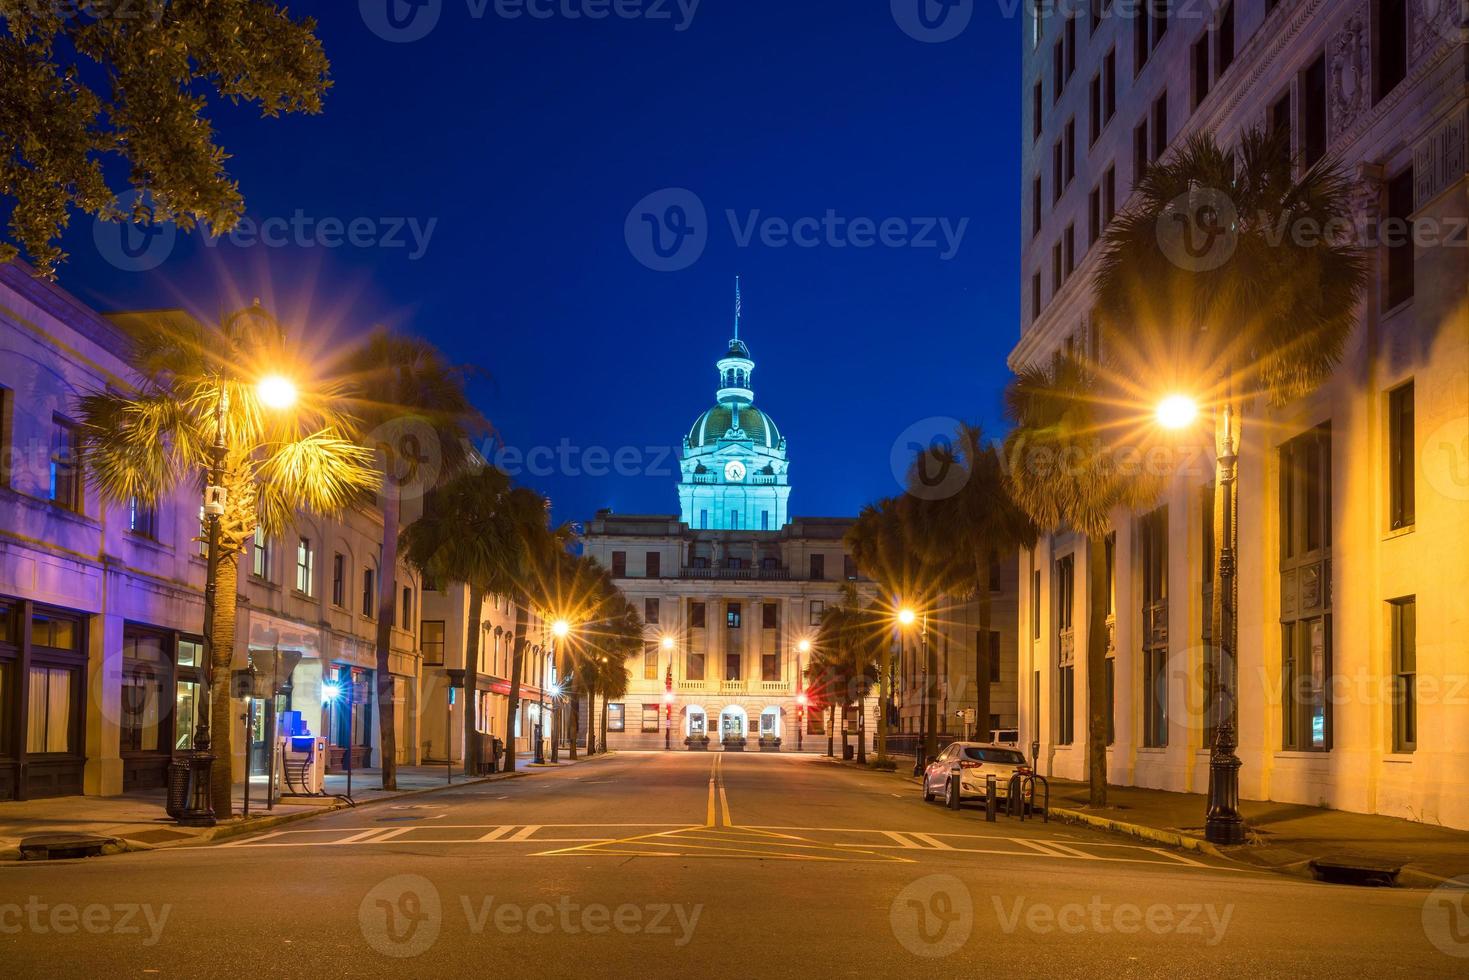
529,141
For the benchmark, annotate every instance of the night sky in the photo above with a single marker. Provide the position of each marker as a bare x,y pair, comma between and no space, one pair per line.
521,148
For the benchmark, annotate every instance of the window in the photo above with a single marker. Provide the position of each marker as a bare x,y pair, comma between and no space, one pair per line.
1160,19
1109,87
142,519
1058,170
1398,236
1057,276
1109,684
619,564
818,609
996,572
1070,151
696,615
339,580
1404,674
992,647
1160,126
769,616
66,476
1199,64
1037,113
49,710
1035,297
1139,151
818,568
849,568
1391,54
1153,544
765,520
1224,41
1058,70
1280,116
1065,658
733,665
1068,251
734,520
260,555
653,567
650,612
1035,206
650,719
1305,600
1401,458
732,616
1313,111
1094,110
431,638
7,401
1109,196
770,666
369,593
1066,706
1035,604
616,718
694,664
305,567
704,519
406,620
144,672
1070,47
650,661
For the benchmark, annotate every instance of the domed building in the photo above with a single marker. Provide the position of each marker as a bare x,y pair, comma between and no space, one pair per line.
734,472
732,590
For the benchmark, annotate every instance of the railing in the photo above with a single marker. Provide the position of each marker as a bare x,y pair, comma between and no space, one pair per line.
763,574
731,687
691,685
775,687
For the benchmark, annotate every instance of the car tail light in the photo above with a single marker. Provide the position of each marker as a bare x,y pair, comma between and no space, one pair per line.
967,764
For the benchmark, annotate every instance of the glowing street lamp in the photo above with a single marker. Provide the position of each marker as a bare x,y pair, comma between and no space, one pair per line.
331,693
907,617
804,646
276,392
560,628
1177,412
667,643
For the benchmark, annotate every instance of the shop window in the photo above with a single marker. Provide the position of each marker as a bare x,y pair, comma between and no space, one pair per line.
650,719
50,709
616,717
186,713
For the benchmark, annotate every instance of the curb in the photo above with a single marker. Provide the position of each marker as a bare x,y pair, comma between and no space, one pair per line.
1141,831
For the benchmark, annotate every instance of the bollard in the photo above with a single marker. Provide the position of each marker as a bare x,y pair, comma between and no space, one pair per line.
954,787
991,797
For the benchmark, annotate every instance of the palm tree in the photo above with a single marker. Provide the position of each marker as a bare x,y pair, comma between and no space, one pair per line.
962,536
197,407
1060,472
465,536
849,642
415,415
1260,309
581,592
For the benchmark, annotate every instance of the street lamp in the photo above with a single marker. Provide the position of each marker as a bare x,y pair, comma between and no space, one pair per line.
1222,822
803,646
906,618
332,692
276,391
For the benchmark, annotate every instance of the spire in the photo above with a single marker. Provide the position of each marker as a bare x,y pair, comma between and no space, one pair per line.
738,308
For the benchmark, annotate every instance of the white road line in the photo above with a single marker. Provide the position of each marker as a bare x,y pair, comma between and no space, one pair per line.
523,833
932,842
901,840
497,833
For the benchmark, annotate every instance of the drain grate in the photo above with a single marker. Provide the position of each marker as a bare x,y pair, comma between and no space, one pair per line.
1346,870
53,847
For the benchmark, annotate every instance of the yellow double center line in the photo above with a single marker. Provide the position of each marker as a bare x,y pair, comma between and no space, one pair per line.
716,782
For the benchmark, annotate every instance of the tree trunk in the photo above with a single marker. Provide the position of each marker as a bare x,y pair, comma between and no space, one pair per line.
221,705
885,661
831,732
591,718
982,666
517,661
471,682
387,611
862,731
930,703
1096,668
573,702
604,724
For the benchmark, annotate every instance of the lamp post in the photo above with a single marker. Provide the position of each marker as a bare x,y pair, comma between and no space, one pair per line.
276,392
803,647
1222,823
331,693
667,645
906,618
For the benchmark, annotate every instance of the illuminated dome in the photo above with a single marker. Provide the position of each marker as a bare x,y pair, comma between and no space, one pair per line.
754,425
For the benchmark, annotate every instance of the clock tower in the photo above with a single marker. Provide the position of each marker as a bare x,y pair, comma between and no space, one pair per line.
734,475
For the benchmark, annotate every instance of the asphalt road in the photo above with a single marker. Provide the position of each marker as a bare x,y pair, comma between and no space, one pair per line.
707,865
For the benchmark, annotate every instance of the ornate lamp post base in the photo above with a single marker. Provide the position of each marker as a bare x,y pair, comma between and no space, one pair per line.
1223,824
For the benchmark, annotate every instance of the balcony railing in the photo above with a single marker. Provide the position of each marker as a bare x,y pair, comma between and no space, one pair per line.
746,574
731,687
775,687
691,685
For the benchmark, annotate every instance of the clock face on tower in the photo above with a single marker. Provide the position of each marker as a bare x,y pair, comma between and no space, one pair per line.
734,471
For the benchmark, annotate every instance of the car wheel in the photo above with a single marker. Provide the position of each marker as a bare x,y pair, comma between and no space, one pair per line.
927,793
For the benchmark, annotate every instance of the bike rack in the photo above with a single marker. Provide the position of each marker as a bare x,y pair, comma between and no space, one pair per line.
1016,796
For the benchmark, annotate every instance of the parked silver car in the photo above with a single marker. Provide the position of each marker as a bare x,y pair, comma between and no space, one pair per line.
976,761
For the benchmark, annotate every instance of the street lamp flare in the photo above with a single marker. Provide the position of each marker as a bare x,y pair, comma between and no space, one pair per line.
1177,412
276,391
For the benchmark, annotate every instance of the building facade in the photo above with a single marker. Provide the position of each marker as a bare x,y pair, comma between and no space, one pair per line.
732,591
102,670
1354,501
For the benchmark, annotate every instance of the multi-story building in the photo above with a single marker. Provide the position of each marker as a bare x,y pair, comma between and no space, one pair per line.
102,671
1353,501
732,592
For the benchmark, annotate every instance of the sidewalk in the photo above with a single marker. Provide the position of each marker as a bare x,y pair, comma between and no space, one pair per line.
136,821
1284,837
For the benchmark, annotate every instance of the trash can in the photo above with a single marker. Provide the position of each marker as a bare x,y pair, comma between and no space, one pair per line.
849,752
497,752
178,787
